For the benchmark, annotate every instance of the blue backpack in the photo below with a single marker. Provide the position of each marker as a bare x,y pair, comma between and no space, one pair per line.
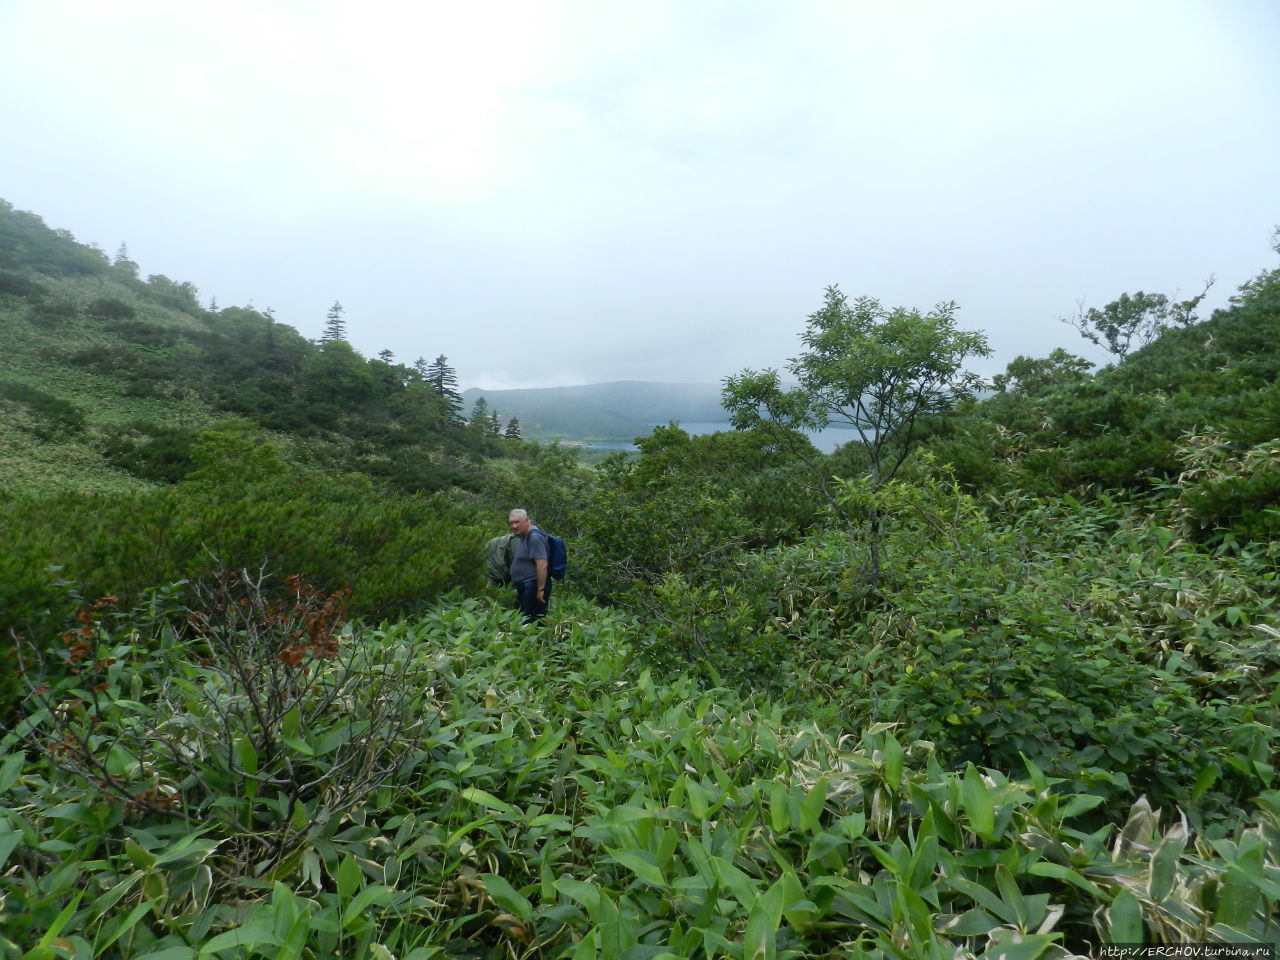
557,555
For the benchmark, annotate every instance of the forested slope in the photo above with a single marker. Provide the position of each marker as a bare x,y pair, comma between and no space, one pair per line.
262,704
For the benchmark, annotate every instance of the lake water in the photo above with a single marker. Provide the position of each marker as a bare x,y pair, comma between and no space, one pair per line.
825,440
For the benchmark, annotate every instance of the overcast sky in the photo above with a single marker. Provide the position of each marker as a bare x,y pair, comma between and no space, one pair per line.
552,191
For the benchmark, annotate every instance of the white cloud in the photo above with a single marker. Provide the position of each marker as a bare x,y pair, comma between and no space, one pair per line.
597,181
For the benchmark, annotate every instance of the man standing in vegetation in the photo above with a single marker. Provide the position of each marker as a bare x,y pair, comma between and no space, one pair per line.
529,567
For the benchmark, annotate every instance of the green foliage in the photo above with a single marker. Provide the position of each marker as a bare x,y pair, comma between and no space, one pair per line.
54,416
110,308
1027,376
22,285
876,370
545,797
1123,428
1049,723
25,241
1223,496
395,553
1133,321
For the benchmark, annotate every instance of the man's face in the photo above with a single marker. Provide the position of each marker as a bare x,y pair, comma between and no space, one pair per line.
518,525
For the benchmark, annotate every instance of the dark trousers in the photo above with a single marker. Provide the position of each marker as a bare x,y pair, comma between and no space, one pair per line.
527,599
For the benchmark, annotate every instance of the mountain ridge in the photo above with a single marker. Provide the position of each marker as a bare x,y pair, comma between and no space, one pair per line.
611,410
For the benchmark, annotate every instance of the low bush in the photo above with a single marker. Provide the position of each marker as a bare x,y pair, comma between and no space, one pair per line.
546,798
54,416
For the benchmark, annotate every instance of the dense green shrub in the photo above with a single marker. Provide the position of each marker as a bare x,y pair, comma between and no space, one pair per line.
22,285
1048,631
110,309
52,313
394,552
1228,495
151,452
55,416
544,793
1052,428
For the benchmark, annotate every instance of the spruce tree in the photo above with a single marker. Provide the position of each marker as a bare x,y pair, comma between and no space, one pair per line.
444,380
335,327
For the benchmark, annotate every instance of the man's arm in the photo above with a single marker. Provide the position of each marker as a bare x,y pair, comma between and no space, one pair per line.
541,566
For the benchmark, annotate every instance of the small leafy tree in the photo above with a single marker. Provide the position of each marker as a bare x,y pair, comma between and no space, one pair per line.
1132,322
876,370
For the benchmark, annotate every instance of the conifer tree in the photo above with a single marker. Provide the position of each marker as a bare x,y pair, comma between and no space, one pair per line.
335,327
513,430
444,380
122,261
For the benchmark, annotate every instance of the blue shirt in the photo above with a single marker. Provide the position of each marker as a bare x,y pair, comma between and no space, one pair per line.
532,546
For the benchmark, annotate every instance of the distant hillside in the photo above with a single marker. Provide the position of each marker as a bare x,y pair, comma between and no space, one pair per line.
602,411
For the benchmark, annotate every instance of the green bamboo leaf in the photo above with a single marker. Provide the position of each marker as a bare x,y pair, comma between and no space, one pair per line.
122,926
350,877
1059,872
1124,919
699,798
250,935
486,799
187,851
373,894
779,807
284,906
1012,896
547,743
587,894
823,844
666,847
814,803
917,913
1205,780
588,947
8,841
760,941
983,897
740,885
1012,945
507,896
972,923
169,953
978,804
60,921
1164,863
1078,804
11,770
893,760
140,856
638,862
